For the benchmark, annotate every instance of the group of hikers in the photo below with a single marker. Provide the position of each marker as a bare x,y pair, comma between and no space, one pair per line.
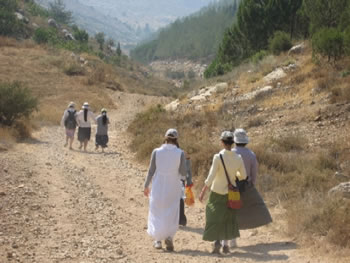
170,172
167,171
72,119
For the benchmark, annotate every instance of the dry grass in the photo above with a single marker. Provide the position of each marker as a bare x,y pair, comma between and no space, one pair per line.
194,129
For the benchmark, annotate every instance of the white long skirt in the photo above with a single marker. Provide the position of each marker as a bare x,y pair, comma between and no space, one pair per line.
163,217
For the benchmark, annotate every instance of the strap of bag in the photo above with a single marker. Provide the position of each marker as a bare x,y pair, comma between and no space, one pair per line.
223,163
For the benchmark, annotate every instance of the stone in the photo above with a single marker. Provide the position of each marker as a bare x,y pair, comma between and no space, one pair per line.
52,22
298,49
172,106
275,75
21,17
343,189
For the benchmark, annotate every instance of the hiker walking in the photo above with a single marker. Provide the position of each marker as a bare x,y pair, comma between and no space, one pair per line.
84,118
167,166
186,182
254,212
69,122
102,130
221,221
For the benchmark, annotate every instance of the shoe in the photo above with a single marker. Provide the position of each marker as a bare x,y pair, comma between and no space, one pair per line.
157,244
169,244
217,246
225,250
233,243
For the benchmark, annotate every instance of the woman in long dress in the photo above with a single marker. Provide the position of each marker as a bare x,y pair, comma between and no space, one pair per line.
254,212
167,166
84,118
102,130
221,221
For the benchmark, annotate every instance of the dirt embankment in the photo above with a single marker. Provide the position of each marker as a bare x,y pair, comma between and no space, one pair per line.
58,205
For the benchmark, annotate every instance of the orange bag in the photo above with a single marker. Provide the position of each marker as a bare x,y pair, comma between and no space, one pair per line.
189,196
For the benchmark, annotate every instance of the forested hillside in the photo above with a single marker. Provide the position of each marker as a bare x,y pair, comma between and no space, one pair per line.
194,37
270,26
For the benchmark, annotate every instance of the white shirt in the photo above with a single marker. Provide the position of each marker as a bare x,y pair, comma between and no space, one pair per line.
80,119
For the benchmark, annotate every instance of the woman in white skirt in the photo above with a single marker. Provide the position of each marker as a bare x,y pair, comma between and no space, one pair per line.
167,165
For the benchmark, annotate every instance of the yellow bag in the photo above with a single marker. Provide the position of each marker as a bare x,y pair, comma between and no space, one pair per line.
189,196
234,198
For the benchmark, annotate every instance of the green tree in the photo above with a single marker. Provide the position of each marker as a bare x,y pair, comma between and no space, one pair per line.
119,50
15,102
8,21
325,13
100,38
328,42
80,35
57,10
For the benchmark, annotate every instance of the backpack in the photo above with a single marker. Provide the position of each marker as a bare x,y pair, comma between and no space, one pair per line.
70,123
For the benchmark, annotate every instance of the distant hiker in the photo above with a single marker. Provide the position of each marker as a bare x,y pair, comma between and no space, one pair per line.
254,212
84,118
70,123
167,166
186,182
221,221
102,130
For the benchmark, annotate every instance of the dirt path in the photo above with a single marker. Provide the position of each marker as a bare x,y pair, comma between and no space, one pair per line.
58,205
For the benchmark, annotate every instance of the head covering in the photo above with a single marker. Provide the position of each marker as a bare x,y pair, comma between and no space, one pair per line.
103,110
226,136
240,136
171,133
85,105
71,104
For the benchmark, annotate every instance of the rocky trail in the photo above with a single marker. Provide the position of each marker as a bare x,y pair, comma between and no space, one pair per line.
58,205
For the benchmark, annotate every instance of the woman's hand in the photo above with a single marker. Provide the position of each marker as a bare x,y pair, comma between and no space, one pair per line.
201,195
146,191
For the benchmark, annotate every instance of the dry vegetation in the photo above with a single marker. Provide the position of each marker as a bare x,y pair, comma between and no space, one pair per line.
301,138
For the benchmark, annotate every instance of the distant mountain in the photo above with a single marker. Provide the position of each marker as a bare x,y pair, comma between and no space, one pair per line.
128,21
193,37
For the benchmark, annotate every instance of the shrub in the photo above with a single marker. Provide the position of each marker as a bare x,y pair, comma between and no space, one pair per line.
15,102
41,35
81,35
36,10
8,20
328,42
74,69
259,56
280,42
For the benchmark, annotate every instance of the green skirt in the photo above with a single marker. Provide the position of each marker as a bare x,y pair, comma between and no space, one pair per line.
221,221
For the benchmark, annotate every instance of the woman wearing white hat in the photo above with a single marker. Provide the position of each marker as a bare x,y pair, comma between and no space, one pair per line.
254,212
70,123
84,118
167,165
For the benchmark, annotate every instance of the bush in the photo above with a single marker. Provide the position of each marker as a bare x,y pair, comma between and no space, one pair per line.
328,42
8,20
259,56
81,35
15,102
41,35
280,42
74,69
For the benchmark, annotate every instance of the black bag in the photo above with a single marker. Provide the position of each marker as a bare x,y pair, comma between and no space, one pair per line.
241,185
70,123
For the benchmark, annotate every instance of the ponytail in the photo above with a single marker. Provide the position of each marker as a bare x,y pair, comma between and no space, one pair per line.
85,114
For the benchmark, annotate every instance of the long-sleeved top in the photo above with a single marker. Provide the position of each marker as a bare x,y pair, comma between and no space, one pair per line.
80,119
250,162
217,180
65,115
101,129
152,168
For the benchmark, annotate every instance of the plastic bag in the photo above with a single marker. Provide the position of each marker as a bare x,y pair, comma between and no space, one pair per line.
189,196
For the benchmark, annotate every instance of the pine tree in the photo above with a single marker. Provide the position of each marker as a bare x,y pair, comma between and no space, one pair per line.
119,51
57,10
100,38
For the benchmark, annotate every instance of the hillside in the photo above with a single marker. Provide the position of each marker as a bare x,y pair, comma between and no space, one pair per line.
127,21
195,37
296,114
